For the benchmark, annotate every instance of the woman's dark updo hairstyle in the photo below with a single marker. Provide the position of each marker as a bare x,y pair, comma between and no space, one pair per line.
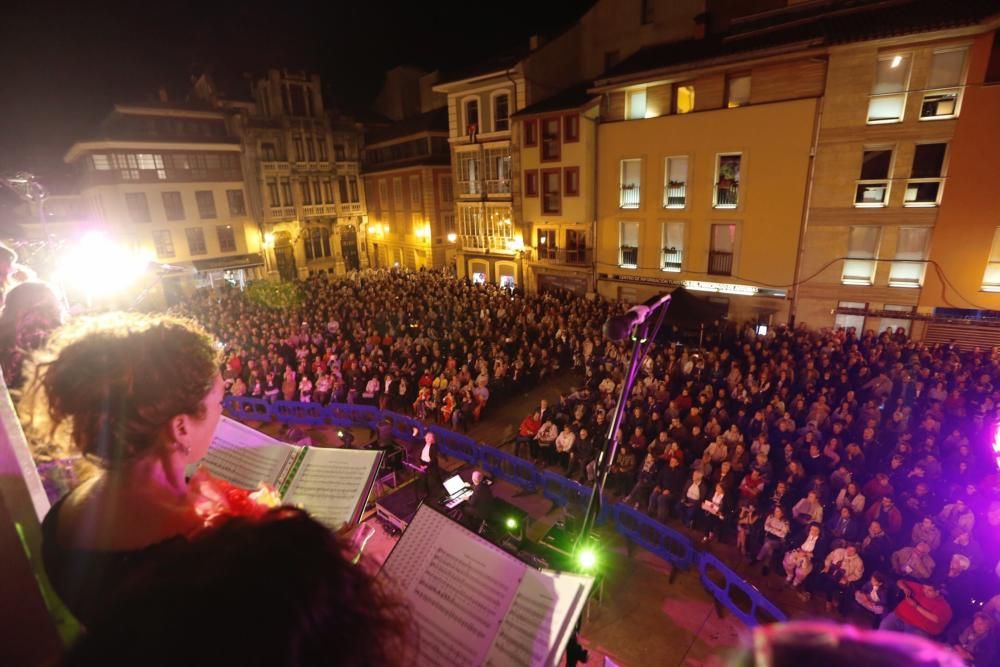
107,386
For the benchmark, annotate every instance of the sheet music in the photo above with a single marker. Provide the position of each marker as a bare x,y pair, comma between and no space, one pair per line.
540,620
245,457
459,587
333,483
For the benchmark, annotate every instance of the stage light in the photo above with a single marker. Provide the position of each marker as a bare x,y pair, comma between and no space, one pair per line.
996,444
97,267
587,559
511,523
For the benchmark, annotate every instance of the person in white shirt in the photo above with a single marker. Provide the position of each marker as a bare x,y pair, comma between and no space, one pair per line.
776,529
564,445
546,438
799,561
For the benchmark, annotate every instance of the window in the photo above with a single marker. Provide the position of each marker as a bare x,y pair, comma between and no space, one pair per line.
469,173
873,184
684,97
173,206
286,192
572,177
675,189
397,193
300,153
342,187
635,104
849,320
196,241
924,186
993,66
501,113
306,192
321,149
547,244
152,162
272,193
991,278
310,149
163,243
472,115
531,183
631,183
317,191
571,128
862,247
497,170
328,191
892,323
127,166
530,133
628,245
551,147
737,90
237,206
943,84
206,204
267,152
101,162
576,246
353,194
138,207
227,239
416,201
908,266
551,191
645,12
317,243
672,258
888,98
383,194
723,250
340,152
726,193
447,191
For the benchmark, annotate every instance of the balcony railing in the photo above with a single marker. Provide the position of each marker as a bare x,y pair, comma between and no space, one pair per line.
629,196
281,212
497,186
470,188
566,255
318,210
628,256
275,165
671,260
720,263
350,207
727,195
675,195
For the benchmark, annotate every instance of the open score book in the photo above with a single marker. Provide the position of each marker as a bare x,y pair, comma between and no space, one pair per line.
475,604
331,484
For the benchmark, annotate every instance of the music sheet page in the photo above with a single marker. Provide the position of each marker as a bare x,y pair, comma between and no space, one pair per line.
540,620
459,587
245,457
333,483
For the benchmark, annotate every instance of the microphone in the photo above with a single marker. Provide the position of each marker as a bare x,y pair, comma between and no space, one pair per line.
618,327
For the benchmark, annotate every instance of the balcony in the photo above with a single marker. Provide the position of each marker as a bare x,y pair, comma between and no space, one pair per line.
281,212
574,256
675,195
671,259
318,210
720,263
629,196
467,188
628,257
498,186
727,195
350,207
275,166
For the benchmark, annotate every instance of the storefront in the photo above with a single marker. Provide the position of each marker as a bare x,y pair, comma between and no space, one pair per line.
501,271
235,270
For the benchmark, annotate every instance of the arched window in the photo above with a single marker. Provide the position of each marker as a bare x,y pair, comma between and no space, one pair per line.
318,243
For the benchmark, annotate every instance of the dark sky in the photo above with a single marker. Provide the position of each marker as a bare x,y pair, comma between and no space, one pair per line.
66,62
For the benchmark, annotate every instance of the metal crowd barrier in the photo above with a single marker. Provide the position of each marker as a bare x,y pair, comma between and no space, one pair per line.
726,587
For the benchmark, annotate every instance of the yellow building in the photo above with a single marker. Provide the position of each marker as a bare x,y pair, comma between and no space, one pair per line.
701,174
884,168
557,142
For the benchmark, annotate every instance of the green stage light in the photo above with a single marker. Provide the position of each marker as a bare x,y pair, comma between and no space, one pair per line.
587,559
511,523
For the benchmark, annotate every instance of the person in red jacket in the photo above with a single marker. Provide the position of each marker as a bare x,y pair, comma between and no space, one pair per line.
887,514
924,611
526,435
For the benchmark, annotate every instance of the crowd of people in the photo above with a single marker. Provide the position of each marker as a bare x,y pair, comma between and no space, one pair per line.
858,465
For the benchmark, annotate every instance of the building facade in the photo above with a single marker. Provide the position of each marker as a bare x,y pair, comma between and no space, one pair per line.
168,182
701,176
411,202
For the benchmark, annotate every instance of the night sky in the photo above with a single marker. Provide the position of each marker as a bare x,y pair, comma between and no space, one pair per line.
66,63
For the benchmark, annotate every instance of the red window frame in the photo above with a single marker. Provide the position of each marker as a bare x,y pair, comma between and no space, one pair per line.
531,183
574,174
557,138
571,128
530,132
558,180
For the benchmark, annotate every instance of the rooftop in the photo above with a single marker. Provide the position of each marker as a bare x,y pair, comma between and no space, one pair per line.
435,120
565,100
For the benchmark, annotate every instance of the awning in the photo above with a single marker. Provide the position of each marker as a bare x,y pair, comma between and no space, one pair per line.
229,262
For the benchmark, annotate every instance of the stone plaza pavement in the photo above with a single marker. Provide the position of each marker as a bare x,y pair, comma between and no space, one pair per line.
641,618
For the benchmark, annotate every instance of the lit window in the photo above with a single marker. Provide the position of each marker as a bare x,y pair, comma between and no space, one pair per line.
631,183
908,265
924,186
635,104
227,239
684,97
850,320
723,251
501,113
726,193
888,96
991,278
862,247
547,245
163,243
873,184
673,246
551,191
628,236
737,90
101,162
943,84
472,116
675,189
551,147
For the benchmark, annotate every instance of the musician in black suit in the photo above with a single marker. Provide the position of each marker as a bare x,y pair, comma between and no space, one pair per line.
479,506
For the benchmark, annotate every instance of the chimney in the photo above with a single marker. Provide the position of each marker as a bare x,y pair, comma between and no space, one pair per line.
162,94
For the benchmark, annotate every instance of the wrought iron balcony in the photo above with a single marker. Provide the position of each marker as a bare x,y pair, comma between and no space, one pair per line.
675,195
727,195
628,256
671,260
629,196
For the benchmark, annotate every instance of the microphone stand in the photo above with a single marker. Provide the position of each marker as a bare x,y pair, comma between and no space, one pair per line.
643,336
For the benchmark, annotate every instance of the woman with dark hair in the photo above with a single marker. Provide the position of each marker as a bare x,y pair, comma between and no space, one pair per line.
140,398
275,591
31,311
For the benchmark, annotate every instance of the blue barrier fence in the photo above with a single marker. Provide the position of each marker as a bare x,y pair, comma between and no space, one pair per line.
729,590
